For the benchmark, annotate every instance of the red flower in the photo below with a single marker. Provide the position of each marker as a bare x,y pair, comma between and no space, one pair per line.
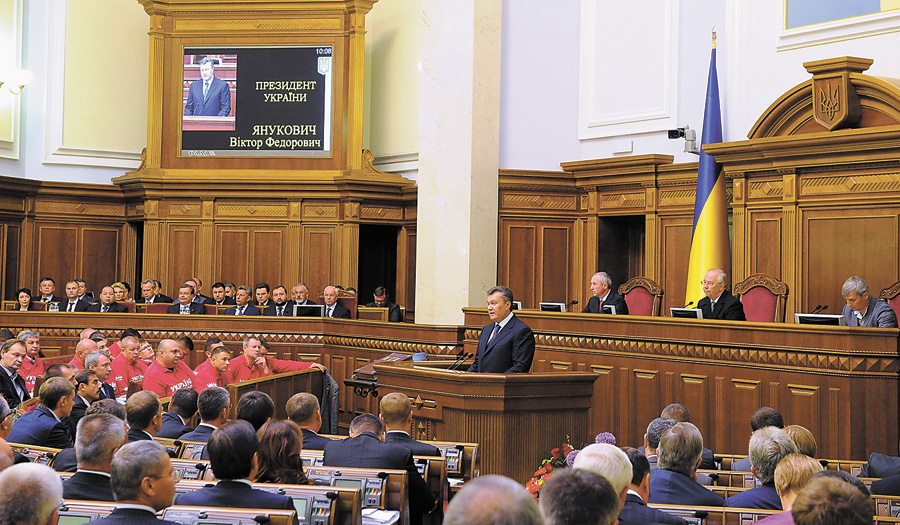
549,467
556,453
566,449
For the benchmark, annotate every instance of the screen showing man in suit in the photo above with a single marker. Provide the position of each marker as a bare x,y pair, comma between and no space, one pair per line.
208,96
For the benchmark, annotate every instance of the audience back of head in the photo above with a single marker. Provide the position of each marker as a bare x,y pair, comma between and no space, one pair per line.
280,444
231,449
766,417
680,449
96,440
256,407
792,474
493,500
575,496
302,408
366,423
827,500
678,412
608,461
803,438
768,446
30,494
184,402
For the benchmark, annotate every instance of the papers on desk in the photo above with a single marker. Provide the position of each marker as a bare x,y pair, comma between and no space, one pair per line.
380,517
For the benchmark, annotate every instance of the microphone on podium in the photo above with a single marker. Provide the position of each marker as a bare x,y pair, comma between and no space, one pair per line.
689,304
458,365
573,303
459,357
819,308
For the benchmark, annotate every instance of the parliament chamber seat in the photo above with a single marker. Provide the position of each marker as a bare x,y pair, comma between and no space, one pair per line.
764,298
642,295
42,455
157,308
891,294
346,299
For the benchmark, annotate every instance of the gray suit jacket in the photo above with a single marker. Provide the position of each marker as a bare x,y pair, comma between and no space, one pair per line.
879,314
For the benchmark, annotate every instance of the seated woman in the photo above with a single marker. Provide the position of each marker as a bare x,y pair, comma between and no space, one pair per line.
280,444
23,300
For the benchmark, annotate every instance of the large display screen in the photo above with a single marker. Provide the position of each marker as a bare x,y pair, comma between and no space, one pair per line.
257,101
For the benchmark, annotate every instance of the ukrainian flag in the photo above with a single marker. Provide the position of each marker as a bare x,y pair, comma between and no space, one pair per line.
710,244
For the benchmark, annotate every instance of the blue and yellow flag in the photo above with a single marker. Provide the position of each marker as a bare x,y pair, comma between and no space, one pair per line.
710,244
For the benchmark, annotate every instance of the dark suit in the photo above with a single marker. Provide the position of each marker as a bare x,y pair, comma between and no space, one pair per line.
636,511
132,517
880,466
8,390
202,299
248,310
89,486
65,460
879,314
157,299
764,497
396,437
200,434
288,309
137,435
235,494
107,391
53,299
41,428
889,486
394,313
172,427
114,308
675,488
727,307
510,351
340,311
194,308
367,451
707,460
741,465
217,102
612,299
78,408
313,441
80,306
227,301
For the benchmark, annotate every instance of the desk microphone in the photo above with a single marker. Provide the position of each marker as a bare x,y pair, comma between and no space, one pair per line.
573,303
456,366
820,308
689,304
459,357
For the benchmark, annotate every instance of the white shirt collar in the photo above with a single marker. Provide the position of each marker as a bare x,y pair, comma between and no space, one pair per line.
136,506
98,472
603,299
635,493
244,481
505,320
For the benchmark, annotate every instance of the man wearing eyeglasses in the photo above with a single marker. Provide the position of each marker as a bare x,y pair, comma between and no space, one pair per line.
719,303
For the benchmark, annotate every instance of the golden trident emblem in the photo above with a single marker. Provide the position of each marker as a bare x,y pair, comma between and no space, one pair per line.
829,101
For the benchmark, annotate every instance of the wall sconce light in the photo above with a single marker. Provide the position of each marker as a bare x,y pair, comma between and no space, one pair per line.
16,81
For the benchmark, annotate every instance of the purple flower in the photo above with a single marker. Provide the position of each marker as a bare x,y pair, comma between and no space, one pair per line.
605,437
570,458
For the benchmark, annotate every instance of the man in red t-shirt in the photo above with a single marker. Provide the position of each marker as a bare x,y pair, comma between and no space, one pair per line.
214,371
254,363
32,366
168,372
82,349
126,367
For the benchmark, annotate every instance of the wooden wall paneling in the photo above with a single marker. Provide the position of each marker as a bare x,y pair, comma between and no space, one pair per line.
410,271
674,245
555,268
101,255
518,261
694,391
319,257
182,249
745,396
57,253
838,244
232,255
804,403
267,256
606,399
765,244
646,385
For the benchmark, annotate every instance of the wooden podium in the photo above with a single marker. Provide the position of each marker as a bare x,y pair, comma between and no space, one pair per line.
516,419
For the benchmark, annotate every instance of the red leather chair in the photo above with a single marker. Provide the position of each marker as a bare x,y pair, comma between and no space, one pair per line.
764,298
891,294
642,295
157,308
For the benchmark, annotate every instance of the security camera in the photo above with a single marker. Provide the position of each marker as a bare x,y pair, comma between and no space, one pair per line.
690,138
676,133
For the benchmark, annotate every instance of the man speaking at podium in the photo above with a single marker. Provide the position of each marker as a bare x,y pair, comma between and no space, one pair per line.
208,96
506,345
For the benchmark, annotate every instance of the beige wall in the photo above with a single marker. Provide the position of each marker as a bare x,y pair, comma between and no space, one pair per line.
10,27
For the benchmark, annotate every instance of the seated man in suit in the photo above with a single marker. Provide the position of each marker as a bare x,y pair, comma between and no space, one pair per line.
381,301
44,426
31,494
213,404
635,509
719,303
214,371
87,390
219,297
655,430
143,481
674,482
65,460
332,307
72,303
680,414
507,344
186,304
864,310
97,439
83,293
6,424
767,447
300,294
168,373
149,294
47,287
261,295
762,418
493,500
233,457
181,409
396,414
601,287
609,462
12,385
143,412
303,409
365,448
574,496
242,303
107,303
197,284
100,362
280,305
256,408
792,474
